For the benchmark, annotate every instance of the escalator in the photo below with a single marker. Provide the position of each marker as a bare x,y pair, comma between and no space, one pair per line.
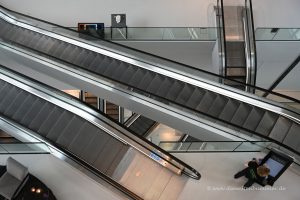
186,94
75,129
140,125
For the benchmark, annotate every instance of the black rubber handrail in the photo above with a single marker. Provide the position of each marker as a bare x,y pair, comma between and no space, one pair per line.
196,174
171,61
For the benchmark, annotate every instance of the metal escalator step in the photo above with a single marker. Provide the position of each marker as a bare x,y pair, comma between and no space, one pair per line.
137,77
155,83
195,98
66,54
127,75
115,163
59,50
24,107
229,110
50,121
218,106
85,135
292,138
148,77
175,90
105,62
164,87
10,111
81,57
95,63
41,116
253,118
60,125
267,122
88,60
185,94
9,98
109,153
206,101
113,67
280,129
72,55
241,114
93,149
33,111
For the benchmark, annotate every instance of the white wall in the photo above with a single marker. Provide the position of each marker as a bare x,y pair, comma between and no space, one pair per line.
166,13
272,59
196,54
276,13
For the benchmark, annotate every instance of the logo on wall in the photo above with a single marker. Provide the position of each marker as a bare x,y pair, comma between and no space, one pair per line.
118,20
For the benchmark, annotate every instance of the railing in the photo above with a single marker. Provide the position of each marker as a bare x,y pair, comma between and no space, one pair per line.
250,47
24,148
277,34
156,33
221,39
224,146
215,146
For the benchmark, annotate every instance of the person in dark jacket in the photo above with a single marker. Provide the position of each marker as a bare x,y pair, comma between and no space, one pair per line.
254,172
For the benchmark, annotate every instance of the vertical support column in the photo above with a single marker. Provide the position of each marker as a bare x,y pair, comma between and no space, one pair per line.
121,114
81,95
102,105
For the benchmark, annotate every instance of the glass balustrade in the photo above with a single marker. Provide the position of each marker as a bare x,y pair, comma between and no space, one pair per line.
277,34
24,148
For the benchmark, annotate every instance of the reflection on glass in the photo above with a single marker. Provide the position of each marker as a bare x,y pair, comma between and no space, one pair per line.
282,34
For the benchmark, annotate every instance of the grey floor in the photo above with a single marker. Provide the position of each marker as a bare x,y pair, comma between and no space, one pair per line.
217,182
66,182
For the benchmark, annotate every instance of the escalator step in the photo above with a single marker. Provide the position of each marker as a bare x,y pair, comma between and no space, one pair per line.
155,83
206,102
34,110
9,98
41,116
60,125
293,137
280,129
50,121
218,106
185,94
253,118
24,107
195,98
174,90
267,122
10,111
91,151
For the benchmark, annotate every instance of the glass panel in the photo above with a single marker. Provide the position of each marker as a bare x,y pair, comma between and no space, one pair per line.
25,148
220,146
282,34
253,146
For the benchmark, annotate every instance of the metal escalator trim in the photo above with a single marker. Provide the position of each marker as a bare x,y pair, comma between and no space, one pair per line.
202,83
132,119
95,118
59,151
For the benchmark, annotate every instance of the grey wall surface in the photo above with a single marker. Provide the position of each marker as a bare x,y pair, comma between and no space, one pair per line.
272,59
166,13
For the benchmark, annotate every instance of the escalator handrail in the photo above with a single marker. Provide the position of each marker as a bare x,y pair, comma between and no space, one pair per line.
91,110
171,61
